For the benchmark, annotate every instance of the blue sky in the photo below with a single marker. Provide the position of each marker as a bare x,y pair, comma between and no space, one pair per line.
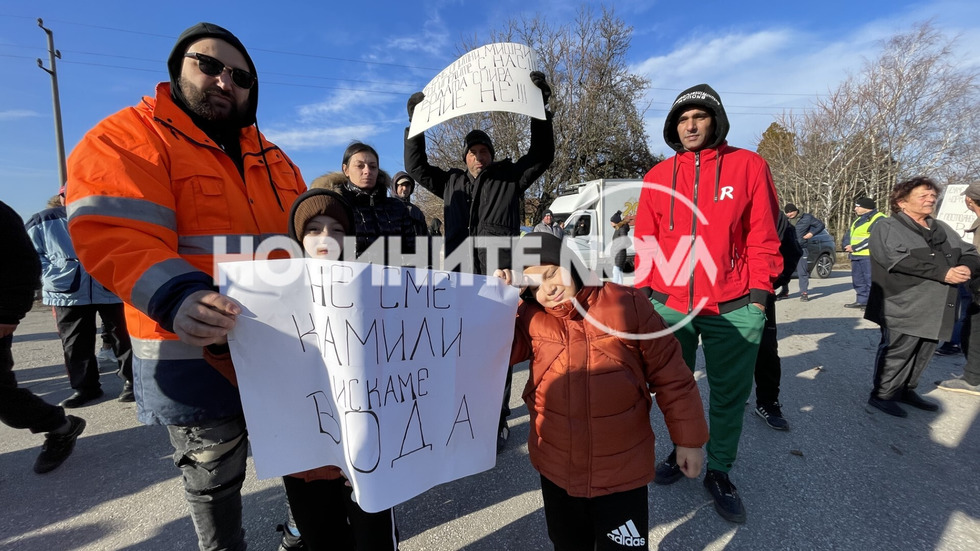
332,72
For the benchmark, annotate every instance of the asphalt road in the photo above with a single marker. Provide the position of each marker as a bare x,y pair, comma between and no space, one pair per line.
844,477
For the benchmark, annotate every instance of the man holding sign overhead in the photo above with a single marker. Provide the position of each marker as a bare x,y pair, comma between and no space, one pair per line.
483,200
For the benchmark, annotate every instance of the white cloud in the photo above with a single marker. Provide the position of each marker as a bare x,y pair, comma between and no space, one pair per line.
321,137
15,114
347,102
758,75
693,59
433,39
766,72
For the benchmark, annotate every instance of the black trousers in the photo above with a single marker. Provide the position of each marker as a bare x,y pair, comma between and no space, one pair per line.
900,361
970,343
768,368
611,522
329,519
20,408
76,326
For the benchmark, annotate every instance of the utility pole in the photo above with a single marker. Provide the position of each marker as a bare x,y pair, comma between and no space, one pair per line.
53,71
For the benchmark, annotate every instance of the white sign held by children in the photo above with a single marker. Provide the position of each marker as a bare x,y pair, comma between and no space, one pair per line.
393,374
495,77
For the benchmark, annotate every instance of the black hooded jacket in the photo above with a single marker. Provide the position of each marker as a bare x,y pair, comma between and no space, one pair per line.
417,215
704,97
20,273
176,61
223,134
488,205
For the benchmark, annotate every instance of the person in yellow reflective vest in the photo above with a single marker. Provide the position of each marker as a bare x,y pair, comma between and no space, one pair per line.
855,242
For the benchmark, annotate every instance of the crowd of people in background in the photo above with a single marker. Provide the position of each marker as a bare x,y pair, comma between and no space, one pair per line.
909,272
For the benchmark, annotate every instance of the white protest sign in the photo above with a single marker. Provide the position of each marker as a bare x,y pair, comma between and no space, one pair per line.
393,374
953,211
495,77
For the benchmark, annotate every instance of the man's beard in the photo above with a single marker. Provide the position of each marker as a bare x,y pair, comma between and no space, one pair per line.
197,101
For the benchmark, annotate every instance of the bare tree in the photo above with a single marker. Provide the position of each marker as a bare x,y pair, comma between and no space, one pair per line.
598,119
910,111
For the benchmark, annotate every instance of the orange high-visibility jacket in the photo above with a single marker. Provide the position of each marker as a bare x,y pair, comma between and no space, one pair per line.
151,200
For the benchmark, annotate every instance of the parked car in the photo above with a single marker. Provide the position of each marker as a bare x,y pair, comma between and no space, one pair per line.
821,252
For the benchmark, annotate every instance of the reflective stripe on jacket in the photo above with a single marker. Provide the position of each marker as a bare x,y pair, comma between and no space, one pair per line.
152,201
860,232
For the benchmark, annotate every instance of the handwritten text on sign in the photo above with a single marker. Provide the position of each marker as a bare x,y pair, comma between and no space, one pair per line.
953,211
495,77
393,374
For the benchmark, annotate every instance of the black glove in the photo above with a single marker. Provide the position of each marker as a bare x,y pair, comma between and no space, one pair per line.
414,100
538,78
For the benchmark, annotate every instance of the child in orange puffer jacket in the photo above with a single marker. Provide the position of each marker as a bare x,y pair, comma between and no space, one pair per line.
598,351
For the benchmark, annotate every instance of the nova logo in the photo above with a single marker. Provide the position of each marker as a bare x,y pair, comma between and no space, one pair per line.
677,269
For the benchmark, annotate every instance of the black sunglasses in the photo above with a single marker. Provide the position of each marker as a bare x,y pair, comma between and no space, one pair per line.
212,67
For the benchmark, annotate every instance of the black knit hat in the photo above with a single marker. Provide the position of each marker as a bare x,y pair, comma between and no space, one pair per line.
617,217
865,203
790,207
706,98
319,201
476,137
549,252
176,61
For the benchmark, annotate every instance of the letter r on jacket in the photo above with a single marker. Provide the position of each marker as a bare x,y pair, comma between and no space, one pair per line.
727,192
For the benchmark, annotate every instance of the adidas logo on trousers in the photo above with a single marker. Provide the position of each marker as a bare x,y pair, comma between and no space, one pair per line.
627,535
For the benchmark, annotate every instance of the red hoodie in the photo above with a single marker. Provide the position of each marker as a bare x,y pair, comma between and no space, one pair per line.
725,257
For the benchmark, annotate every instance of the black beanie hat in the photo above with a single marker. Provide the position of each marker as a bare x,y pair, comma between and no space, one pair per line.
865,203
176,61
706,98
478,137
550,253
319,201
790,207
617,217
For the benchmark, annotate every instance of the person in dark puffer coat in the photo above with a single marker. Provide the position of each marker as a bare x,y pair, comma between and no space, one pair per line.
376,214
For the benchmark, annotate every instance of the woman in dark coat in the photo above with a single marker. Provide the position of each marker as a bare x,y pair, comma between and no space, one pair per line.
916,264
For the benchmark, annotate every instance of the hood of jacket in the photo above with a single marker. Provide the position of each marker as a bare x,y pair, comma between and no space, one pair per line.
176,60
393,183
704,97
338,182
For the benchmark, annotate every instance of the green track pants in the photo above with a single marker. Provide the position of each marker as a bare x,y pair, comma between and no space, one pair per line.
731,343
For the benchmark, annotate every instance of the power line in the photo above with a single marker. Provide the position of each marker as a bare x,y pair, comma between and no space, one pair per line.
341,59
729,92
278,52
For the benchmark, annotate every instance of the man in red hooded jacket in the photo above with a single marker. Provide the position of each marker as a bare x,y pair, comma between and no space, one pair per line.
707,252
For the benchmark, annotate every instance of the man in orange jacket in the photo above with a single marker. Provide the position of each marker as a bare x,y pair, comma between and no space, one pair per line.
155,192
